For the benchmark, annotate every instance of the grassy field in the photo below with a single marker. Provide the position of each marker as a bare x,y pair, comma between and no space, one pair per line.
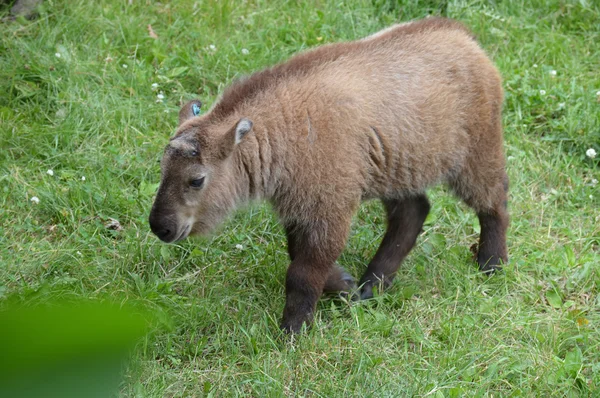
88,99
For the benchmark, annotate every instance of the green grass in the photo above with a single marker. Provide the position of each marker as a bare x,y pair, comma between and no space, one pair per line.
76,98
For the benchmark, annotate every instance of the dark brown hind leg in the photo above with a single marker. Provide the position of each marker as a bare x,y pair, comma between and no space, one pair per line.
487,194
338,280
405,220
493,222
492,251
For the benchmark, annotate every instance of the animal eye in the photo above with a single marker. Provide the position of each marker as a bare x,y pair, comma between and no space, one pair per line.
194,153
197,183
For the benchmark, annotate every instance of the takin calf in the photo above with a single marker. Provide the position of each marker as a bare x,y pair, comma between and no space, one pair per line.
384,117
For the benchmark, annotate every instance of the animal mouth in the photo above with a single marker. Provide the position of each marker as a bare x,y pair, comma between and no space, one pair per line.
184,233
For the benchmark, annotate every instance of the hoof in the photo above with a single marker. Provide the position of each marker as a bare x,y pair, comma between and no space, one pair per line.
349,281
366,293
366,289
339,281
490,269
490,264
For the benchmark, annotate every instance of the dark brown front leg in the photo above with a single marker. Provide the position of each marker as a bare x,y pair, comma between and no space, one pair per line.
338,280
303,287
405,220
313,252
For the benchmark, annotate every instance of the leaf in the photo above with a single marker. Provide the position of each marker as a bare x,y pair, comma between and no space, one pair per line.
409,291
157,52
554,298
176,72
498,32
569,303
207,386
438,240
165,253
573,362
27,89
570,256
67,349
456,392
476,226
147,189
6,113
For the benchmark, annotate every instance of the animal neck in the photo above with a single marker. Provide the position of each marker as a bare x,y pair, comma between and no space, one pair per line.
254,162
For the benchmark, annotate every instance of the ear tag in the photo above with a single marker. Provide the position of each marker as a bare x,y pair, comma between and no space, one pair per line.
195,109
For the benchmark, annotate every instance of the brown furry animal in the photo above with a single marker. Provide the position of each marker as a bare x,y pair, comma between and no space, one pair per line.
384,117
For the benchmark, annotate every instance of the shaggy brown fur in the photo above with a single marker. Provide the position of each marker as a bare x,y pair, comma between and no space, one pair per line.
384,117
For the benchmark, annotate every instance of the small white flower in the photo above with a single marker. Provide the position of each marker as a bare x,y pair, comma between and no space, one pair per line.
57,55
82,178
50,172
125,66
591,196
239,247
154,86
212,47
598,93
535,65
594,182
160,96
35,199
79,253
552,72
245,51
591,153
166,111
510,158
561,105
542,92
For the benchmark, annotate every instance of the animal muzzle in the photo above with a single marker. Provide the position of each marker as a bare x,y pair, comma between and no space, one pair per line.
164,226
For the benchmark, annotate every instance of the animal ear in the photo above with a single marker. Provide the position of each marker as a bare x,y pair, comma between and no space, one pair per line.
235,136
189,110
242,128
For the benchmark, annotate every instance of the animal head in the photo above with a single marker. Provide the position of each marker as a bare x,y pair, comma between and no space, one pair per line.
199,179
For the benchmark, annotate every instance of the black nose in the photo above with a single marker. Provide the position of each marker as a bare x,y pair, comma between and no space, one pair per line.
163,234
162,227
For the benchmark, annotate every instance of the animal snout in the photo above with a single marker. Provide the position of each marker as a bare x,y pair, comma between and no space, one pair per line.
163,227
